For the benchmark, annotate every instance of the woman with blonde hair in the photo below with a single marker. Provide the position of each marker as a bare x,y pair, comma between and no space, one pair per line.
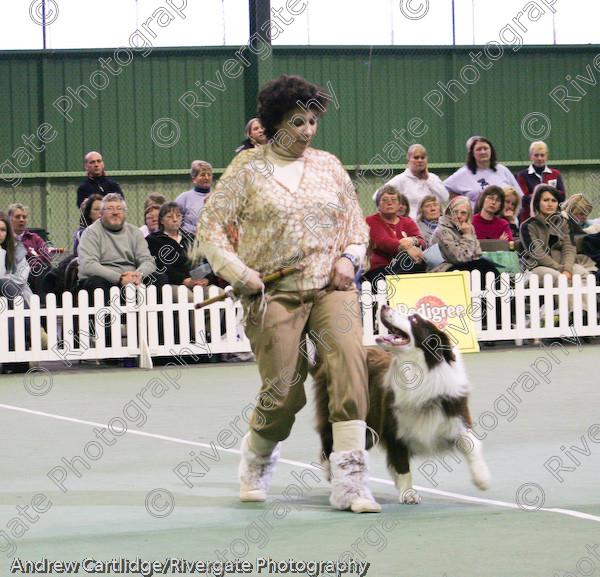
538,173
14,272
457,240
255,136
576,210
416,181
510,212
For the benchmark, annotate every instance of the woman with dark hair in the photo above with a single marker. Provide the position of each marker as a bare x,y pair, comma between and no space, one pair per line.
255,136
481,170
395,241
546,238
170,246
304,212
14,272
486,220
90,213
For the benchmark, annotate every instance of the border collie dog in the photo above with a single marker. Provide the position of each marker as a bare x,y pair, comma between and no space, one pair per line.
418,392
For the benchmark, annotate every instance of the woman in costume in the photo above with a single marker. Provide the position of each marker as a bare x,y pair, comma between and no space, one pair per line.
295,205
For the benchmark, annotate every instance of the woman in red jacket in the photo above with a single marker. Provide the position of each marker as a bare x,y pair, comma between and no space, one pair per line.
396,244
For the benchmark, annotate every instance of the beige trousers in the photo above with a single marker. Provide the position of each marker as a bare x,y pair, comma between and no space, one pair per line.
332,320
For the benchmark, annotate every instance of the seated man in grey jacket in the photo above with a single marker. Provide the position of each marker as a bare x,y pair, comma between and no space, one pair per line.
113,252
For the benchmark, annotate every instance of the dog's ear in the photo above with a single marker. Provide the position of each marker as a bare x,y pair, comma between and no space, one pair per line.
434,342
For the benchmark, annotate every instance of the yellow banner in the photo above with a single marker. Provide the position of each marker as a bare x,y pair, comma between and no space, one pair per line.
442,298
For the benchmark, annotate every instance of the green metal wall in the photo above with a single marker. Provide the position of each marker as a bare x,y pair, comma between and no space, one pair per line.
384,89
377,90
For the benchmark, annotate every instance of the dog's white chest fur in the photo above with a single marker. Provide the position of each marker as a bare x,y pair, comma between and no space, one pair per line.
418,394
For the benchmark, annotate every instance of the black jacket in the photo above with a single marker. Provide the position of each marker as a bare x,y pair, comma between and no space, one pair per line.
170,256
101,186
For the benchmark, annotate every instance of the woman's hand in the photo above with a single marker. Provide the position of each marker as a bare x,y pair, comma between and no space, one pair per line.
252,282
465,228
405,243
504,236
568,275
415,253
343,274
192,282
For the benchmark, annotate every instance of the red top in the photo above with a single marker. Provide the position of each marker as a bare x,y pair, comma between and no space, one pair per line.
492,229
385,238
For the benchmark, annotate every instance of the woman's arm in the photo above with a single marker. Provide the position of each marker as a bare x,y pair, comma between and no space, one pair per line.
412,230
221,210
536,246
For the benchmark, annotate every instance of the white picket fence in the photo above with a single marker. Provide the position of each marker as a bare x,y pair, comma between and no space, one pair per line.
135,325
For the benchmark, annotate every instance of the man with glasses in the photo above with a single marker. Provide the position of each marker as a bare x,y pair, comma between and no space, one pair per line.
113,252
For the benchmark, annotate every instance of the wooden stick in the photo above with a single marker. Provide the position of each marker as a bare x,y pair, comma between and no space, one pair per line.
270,278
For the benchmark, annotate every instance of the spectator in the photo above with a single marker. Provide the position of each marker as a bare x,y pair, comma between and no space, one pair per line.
512,201
170,246
150,219
395,241
403,204
14,268
482,170
546,239
538,173
38,253
14,272
255,136
113,252
192,201
428,216
486,221
96,181
155,198
90,213
575,210
458,242
416,181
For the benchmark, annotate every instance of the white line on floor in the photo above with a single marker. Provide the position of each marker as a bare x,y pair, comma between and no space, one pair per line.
494,502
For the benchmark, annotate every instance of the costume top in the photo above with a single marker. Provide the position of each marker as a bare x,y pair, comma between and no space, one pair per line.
301,211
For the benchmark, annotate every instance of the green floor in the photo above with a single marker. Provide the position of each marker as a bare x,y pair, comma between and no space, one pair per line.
130,503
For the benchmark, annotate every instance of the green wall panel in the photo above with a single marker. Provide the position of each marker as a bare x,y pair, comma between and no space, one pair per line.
379,91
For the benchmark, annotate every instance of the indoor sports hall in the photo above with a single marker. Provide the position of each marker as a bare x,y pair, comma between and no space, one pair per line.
124,411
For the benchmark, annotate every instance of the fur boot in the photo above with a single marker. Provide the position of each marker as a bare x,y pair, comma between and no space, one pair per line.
350,482
255,472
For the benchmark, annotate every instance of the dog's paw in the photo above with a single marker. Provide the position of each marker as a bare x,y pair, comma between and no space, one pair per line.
481,476
410,497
